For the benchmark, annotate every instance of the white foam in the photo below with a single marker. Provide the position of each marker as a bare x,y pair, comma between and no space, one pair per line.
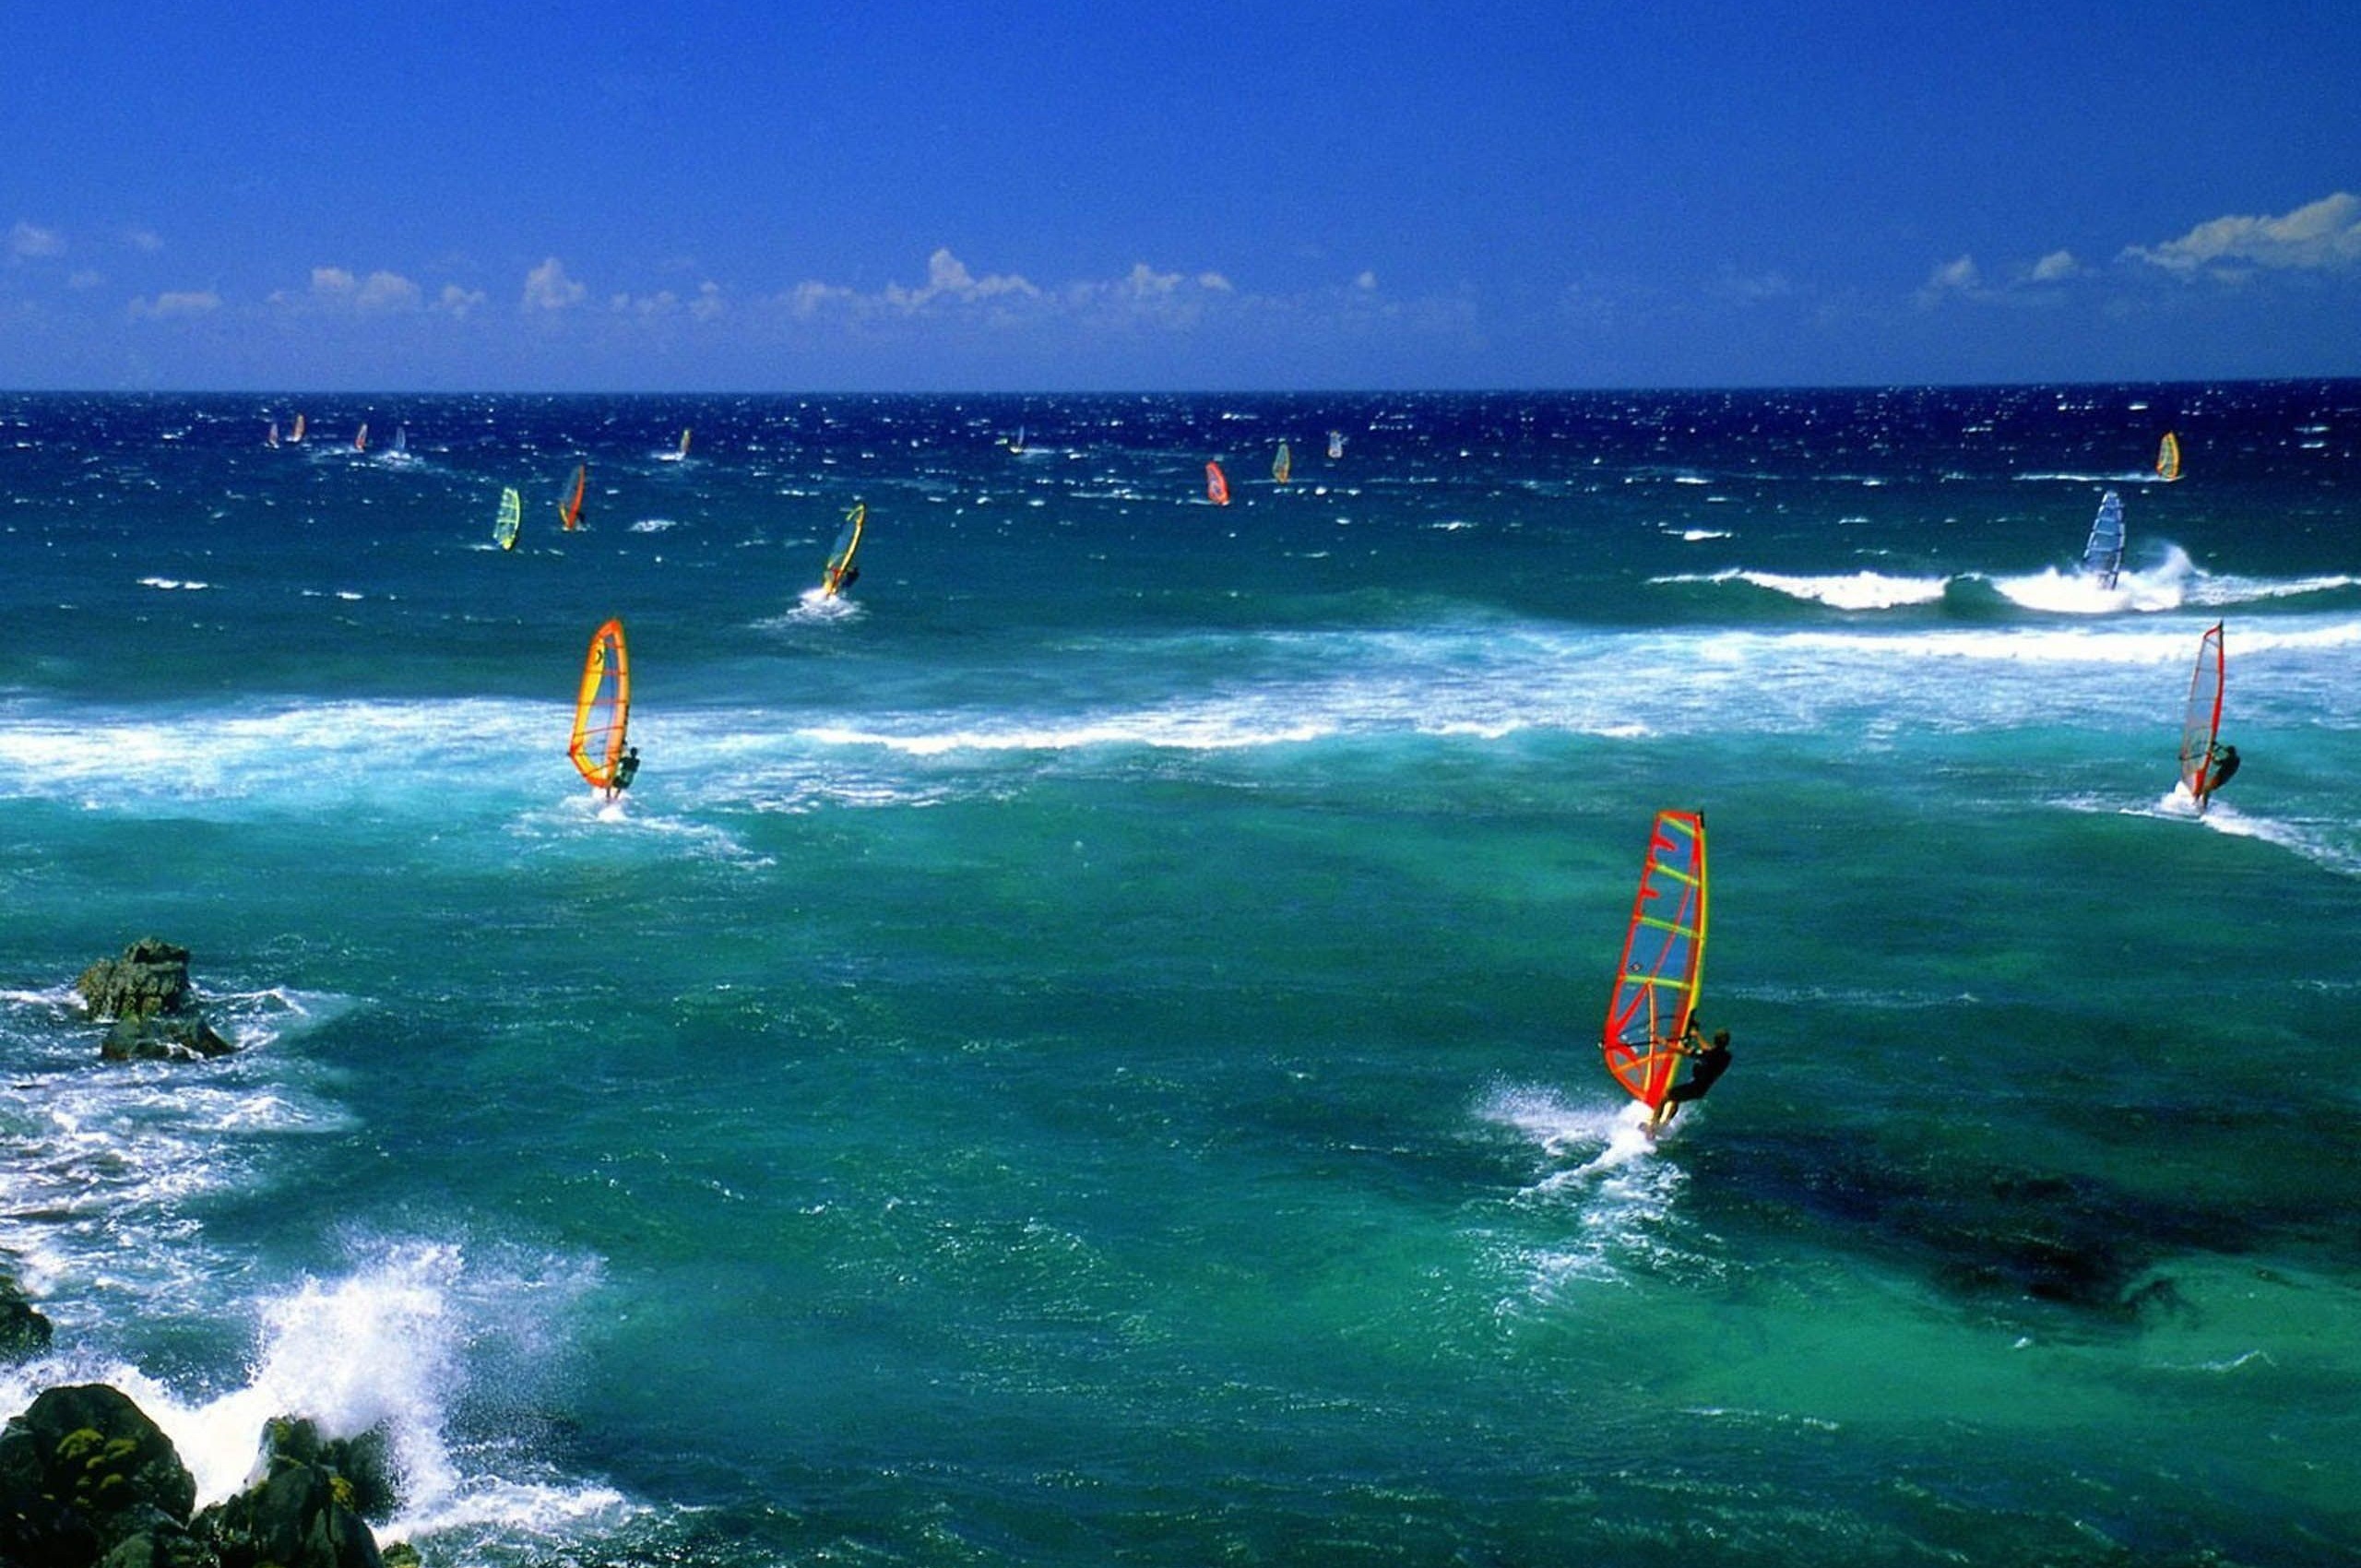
172,583
1859,591
1619,1195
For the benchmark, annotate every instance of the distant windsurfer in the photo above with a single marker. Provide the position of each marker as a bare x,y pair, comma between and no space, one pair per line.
1709,1060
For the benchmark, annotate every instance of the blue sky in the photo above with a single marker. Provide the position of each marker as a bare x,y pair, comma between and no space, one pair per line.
1061,195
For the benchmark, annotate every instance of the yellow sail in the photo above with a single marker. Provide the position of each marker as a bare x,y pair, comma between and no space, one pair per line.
512,514
602,707
2168,457
1283,465
838,573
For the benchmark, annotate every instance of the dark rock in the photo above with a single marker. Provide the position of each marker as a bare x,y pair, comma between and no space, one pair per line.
86,1476
146,994
163,1039
295,1518
23,1331
149,981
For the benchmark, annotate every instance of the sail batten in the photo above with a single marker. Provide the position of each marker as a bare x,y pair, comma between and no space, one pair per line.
1663,964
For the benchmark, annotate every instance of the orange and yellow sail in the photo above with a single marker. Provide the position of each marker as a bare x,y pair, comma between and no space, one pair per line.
2168,457
569,510
601,707
1216,485
1664,958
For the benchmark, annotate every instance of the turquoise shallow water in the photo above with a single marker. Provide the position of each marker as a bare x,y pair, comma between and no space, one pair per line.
1088,1052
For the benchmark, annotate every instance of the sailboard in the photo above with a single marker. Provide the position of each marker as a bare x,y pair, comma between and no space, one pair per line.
1016,443
838,573
2168,457
1664,956
2102,556
512,514
1283,465
602,708
2202,722
684,443
1336,445
402,441
1216,486
272,439
570,509
297,434
360,438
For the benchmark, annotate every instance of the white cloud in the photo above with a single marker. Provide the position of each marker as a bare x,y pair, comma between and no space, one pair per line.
457,301
948,277
183,304
2055,267
1367,281
387,290
703,305
1952,279
2323,236
548,288
334,289
27,241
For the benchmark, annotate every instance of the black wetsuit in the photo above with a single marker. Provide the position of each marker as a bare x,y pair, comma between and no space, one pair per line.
2224,767
1705,1072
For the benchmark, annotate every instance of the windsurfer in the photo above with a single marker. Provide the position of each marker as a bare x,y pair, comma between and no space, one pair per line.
2221,763
1709,1059
626,769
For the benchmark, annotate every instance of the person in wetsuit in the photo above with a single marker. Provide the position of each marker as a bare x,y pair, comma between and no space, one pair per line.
1709,1060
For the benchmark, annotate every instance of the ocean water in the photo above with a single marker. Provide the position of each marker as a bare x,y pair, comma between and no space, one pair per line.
1086,1049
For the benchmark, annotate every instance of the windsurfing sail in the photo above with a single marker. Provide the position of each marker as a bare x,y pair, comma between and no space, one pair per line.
2168,457
570,509
684,441
1216,487
297,434
1016,442
2102,556
360,438
401,440
2202,722
1664,955
272,439
602,709
512,514
838,573
1283,465
1336,445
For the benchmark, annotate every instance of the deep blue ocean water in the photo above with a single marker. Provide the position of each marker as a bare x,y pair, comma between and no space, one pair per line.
1086,1051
